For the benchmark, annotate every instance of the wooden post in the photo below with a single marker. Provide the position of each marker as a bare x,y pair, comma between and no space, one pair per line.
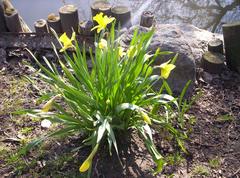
54,22
41,26
122,15
212,62
231,34
101,6
85,28
147,19
215,45
12,20
3,27
69,19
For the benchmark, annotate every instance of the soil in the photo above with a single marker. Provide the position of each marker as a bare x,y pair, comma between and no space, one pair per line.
213,144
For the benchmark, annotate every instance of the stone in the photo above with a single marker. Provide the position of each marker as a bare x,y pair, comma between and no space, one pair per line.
3,55
187,40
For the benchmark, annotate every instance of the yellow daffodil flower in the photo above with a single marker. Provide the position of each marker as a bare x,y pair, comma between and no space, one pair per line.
166,69
49,104
102,44
121,52
88,162
145,117
67,42
102,21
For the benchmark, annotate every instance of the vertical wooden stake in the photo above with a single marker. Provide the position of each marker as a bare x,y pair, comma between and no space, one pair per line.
12,20
147,19
101,6
69,19
231,34
54,22
122,15
3,27
41,26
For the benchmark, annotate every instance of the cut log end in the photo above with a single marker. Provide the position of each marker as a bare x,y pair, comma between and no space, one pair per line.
212,62
122,15
101,6
147,19
41,26
215,45
67,9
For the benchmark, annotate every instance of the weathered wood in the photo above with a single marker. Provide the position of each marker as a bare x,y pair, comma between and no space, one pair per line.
101,6
41,26
212,62
33,41
3,27
69,19
85,28
215,45
12,20
147,19
122,15
231,34
54,22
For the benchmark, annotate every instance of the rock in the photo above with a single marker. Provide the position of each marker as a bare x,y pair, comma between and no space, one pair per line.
207,77
3,55
188,41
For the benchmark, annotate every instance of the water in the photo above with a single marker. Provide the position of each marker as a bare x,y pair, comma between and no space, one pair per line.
205,14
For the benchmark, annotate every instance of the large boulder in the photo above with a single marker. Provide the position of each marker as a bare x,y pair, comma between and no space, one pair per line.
188,41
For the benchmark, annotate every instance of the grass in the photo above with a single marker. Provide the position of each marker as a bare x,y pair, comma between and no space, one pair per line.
200,170
215,162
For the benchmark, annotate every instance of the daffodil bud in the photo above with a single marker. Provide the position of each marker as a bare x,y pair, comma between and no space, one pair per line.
88,162
145,117
49,104
166,69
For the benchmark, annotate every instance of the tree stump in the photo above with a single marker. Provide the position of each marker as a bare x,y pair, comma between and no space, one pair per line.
12,20
41,26
69,19
85,28
215,45
147,19
3,27
212,62
122,15
101,6
231,34
54,22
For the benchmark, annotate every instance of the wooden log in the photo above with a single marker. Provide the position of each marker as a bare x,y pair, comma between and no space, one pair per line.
215,45
147,19
85,28
12,20
54,22
3,26
101,6
41,27
122,15
212,62
231,34
69,19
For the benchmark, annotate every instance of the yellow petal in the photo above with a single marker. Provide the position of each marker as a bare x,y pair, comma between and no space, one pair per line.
88,162
73,36
102,44
121,52
146,118
64,38
49,104
166,69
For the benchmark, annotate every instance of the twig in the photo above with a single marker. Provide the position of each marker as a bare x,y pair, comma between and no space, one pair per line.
235,173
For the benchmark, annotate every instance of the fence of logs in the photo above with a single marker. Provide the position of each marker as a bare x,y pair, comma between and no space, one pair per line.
67,20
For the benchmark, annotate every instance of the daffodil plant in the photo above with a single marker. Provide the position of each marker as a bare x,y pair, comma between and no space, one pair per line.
114,96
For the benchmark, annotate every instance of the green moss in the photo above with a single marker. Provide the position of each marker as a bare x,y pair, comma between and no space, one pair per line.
26,130
215,163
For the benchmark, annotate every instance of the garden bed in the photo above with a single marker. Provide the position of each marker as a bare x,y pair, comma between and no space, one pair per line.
213,145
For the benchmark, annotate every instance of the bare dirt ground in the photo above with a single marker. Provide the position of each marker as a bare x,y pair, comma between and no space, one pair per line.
213,145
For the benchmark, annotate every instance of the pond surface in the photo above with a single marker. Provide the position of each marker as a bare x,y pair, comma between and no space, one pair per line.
207,14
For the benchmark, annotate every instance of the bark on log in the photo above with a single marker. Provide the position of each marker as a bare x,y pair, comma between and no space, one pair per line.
85,28
12,20
101,6
69,19
231,34
122,15
216,46
3,27
147,19
212,62
54,22
41,27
